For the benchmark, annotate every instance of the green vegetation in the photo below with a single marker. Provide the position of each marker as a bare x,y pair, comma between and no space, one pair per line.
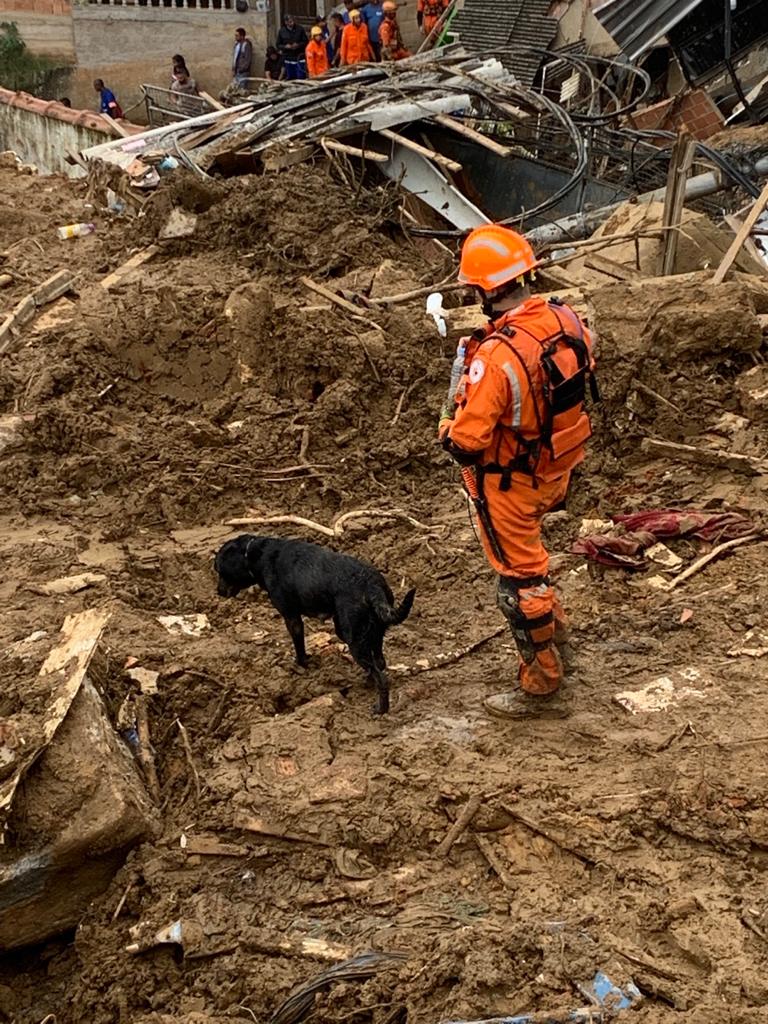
22,70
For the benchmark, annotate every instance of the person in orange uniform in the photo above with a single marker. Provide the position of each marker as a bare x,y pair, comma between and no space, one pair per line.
516,423
316,53
392,46
428,13
355,44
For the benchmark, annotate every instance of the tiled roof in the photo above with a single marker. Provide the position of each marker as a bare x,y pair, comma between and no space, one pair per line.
494,24
52,108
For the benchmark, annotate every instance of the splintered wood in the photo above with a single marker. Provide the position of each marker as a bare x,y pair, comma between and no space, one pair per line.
63,672
361,115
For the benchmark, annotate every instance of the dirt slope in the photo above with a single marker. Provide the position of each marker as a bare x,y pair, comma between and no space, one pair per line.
159,410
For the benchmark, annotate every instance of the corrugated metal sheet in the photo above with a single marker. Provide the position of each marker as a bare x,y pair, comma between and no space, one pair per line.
494,24
637,24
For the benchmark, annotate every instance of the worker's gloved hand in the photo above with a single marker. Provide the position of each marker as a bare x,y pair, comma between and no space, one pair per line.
444,425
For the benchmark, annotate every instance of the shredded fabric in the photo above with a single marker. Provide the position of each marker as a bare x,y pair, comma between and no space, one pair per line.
644,529
668,522
620,552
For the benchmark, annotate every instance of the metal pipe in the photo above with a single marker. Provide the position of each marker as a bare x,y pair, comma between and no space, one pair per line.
581,225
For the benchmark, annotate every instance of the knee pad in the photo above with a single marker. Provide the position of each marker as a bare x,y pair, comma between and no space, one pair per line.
531,634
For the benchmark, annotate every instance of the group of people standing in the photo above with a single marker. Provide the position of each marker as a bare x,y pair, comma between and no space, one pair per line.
356,32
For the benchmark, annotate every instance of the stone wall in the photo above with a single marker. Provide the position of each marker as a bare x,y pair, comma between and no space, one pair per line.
43,132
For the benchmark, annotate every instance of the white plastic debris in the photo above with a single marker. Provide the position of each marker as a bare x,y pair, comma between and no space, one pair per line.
186,625
754,644
589,526
436,311
662,693
664,556
146,678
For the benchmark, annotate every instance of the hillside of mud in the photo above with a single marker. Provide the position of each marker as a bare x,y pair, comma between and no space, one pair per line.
212,384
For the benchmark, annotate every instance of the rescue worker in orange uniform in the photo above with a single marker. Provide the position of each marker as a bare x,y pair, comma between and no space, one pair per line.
355,44
517,425
428,13
316,53
392,46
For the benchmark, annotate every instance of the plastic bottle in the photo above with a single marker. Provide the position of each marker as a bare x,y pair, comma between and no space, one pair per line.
75,230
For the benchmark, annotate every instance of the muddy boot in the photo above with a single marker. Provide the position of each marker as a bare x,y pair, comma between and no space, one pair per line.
520,705
539,693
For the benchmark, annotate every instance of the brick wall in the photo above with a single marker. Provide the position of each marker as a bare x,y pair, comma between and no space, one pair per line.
10,7
693,110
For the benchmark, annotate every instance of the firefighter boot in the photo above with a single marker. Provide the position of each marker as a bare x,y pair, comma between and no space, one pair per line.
540,670
562,639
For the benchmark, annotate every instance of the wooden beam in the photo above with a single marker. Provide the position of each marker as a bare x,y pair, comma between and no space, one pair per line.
750,246
361,154
278,157
210,131
471,133
130,265
746,227
60,677
209,99
115,127
416,147
734,461
680,165
337,300
613,269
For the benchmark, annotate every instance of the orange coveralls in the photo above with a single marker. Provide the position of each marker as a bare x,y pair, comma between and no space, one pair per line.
392,46
495,407
430,11
355,44
316,55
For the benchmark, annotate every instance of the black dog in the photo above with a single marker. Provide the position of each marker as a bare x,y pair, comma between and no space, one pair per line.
307,579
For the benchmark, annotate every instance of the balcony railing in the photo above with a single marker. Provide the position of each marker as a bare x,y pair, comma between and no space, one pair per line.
198,5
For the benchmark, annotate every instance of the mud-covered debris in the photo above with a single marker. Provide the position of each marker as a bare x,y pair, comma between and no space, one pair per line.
664,693
752,389
68,840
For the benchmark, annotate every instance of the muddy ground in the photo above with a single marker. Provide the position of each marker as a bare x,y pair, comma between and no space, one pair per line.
158,410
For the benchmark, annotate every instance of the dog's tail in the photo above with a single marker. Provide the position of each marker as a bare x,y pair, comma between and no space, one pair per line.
392,615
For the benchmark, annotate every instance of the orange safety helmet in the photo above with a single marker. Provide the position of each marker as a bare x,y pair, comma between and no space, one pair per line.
493,255
389,7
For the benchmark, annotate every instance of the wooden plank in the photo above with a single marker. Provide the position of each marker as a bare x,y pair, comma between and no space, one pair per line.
209,99
279,157
471,133
62,675
680,165
53,288
704,456
750,246
210,131
74,158
749,222
430,154
210,846
114,127
361,154
337,300
130,265
613,269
